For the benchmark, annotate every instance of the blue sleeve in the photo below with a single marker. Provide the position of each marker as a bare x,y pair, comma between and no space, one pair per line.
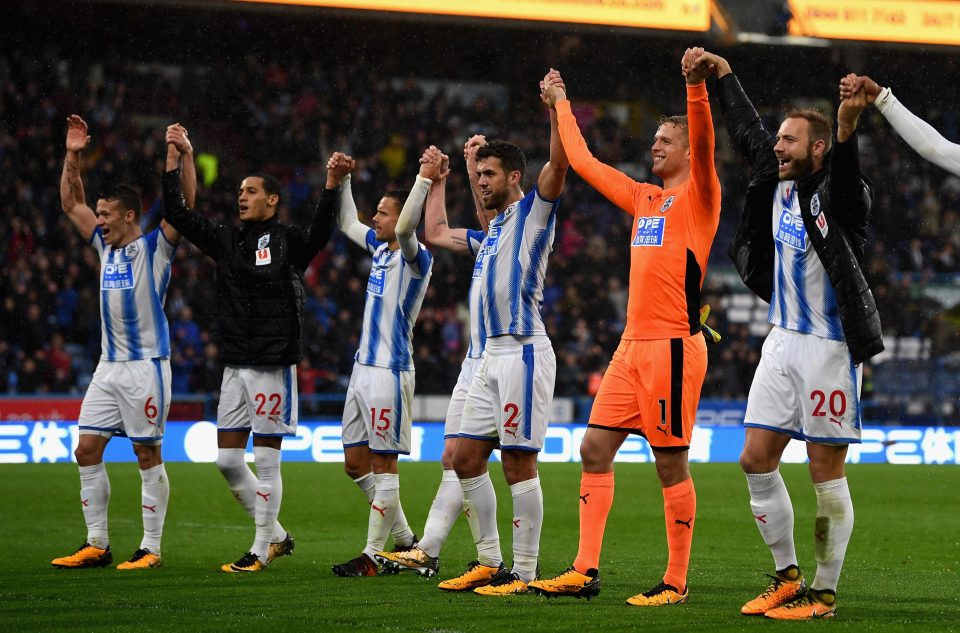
475,240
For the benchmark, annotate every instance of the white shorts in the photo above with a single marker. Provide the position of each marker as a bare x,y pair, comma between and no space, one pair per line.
259,399
129,398
511,395
451,428
806,387
377,412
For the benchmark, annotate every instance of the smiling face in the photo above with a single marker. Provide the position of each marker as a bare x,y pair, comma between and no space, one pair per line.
670,151
385,219
118,225
254,202
495,183
798,157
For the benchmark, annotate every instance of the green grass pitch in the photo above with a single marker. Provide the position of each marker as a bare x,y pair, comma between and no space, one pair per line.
902,569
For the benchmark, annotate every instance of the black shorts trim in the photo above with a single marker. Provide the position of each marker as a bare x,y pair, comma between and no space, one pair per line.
676,387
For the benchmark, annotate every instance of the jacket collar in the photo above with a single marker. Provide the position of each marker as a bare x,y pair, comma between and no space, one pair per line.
263,225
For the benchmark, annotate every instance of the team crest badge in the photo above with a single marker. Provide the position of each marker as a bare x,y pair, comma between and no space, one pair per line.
132,249
815,205
263,241
667,204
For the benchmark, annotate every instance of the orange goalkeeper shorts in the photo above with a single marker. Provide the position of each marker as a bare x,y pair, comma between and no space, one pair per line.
652,388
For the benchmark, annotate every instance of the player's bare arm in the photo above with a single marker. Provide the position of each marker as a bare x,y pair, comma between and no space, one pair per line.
470,148
72,198
554,173
436,227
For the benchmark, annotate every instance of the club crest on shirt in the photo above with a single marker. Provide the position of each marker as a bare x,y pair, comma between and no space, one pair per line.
815,205
263,256
649,231
263,241
667,204
131,249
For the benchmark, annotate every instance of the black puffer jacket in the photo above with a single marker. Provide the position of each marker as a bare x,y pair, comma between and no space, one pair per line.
845,200
260,297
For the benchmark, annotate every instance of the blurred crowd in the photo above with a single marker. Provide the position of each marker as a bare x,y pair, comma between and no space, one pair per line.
258,92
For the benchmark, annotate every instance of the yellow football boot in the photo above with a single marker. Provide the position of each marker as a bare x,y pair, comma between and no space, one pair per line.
86,556
141,559
477,575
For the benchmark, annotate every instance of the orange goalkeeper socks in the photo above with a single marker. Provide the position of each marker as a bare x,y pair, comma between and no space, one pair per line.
596,498
680,509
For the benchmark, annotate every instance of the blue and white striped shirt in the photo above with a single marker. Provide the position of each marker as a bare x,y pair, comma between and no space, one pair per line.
803,299
513,264
478,331
395,291
133,287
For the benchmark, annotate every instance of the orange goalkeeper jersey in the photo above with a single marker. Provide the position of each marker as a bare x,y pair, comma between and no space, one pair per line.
673,229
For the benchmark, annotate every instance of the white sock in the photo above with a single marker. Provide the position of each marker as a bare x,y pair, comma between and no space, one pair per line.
444,511
402,534
368,485
155,492
95,497
480,506
383,512
527,521
773,513
243,484
832,532
269,493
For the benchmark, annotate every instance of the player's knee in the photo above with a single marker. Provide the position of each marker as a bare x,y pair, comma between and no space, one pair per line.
86,455
754,464
353,471
465,465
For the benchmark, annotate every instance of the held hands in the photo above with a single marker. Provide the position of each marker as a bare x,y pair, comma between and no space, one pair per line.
77,138
698,64
339,167
552,88
470,148
849,113
444,166
852,84
176,138
431,164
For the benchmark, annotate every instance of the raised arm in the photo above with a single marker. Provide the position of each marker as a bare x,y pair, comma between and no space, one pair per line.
918,134
470,148
743,122
72,198
341,165
179,196
430,170
437,229
705,184
180,155
615,186
554,173
852,197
